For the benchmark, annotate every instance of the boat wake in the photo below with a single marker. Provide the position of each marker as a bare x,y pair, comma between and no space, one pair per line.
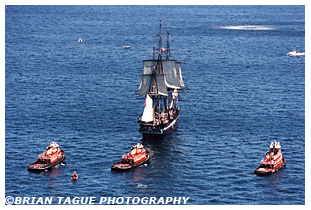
249,27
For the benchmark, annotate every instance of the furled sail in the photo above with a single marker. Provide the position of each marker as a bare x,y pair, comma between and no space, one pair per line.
148,115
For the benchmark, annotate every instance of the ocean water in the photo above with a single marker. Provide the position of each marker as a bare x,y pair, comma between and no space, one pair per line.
244,92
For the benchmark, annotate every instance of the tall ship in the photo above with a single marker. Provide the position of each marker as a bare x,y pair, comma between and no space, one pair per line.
161,82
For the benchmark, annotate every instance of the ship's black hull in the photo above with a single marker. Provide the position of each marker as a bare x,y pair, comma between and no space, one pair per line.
151,131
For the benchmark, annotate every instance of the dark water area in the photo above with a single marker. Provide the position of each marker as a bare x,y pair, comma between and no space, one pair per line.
244,92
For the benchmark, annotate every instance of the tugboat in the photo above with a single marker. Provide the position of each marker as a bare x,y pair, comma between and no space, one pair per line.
273,161
51,157
138,156
161,79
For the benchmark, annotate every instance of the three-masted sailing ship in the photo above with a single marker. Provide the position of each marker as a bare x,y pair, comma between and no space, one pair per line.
160,81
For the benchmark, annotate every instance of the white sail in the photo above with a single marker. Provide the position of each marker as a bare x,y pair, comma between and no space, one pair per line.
171,78
144,84
148,67
148,115
147,71
178,67
171,74
161,85
146,80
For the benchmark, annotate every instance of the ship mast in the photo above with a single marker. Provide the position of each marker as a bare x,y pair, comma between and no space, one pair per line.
160,49
167,58
159,66
153,82
157,69
168,45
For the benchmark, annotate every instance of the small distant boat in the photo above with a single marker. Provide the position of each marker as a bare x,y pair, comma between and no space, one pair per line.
80,40
51,157
126,47
273,161
74,176
295,53
138,156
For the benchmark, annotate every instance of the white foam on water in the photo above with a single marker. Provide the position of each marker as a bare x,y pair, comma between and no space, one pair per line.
141,185
249,27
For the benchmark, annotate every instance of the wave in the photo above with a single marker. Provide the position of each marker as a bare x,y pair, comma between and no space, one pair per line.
248,27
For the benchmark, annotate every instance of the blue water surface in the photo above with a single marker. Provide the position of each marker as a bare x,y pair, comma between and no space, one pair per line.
244,92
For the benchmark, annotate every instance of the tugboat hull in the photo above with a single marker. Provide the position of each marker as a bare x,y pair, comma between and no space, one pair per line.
38,167
125,166
265,172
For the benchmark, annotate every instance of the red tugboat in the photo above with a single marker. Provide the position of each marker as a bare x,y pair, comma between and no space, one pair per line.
137,156
51,157
273,161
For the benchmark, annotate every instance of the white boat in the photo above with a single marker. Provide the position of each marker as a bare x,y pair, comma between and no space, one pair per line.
295,53
126,47
80,40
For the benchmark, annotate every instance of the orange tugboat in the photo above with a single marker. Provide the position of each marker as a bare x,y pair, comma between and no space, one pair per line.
137,156
51,157
273,161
